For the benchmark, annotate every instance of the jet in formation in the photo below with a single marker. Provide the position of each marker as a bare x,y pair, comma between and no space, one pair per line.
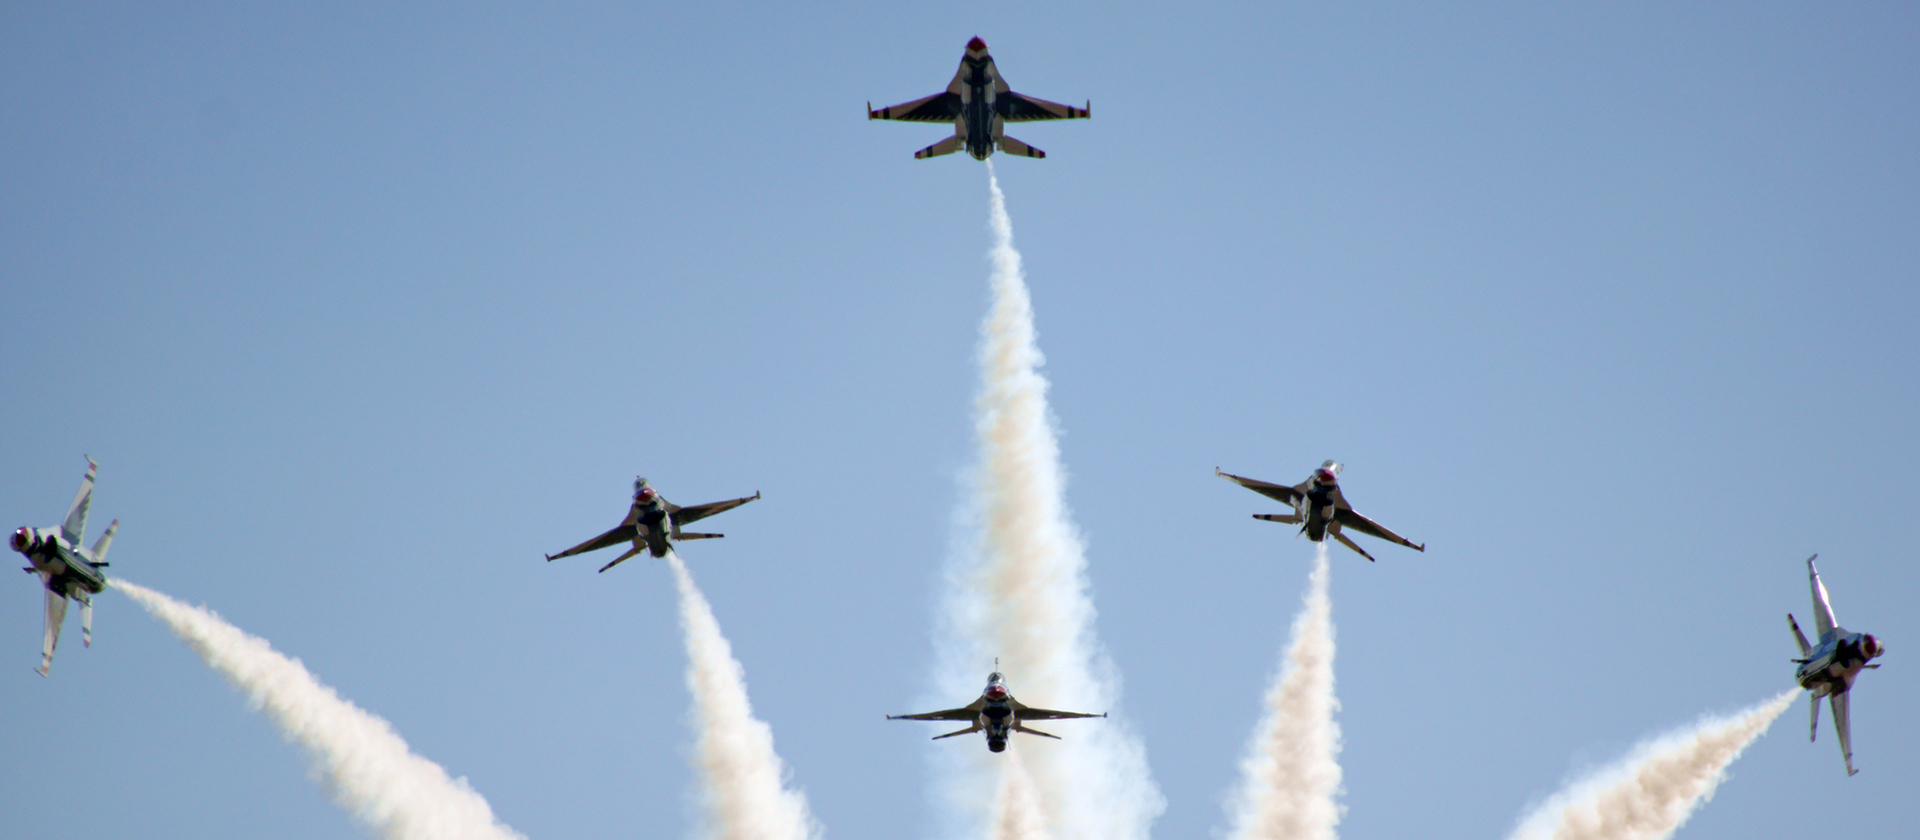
1319,508
1829,666
653,525
979,105
67,569
997,714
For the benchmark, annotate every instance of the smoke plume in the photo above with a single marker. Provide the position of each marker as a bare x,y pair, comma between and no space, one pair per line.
1021,593
369,769
1650,793
1016,809
1291,776
742,778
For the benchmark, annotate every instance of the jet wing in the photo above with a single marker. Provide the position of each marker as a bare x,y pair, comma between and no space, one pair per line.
1823,622
1280,492
1030,713
1840,722
57,613
1018,107
970,711
75,525
624,532
1022,711
1348,518
938,108
695,513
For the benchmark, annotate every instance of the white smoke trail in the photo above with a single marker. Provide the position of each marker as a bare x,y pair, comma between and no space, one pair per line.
1291,776
743,779
1017,809
1650,793
369,768
1023,594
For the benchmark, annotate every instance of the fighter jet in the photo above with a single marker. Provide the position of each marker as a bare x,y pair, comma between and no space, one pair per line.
67,569
997,714
653,524
1828,668
979,105
1319,508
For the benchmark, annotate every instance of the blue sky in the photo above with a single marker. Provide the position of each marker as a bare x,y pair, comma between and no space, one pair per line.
363,309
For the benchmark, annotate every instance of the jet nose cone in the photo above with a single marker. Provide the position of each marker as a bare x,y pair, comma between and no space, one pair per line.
976,45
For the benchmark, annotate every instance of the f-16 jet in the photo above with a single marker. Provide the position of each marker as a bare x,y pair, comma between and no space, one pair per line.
997,714
653,525
979,104
1830,666
1319,508
67,569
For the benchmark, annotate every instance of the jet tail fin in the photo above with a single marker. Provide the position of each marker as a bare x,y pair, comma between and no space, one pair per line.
1348,542
689,535
636,549
944,147
974,728
99,550
1798,636
1015,147
1021,727
1289,518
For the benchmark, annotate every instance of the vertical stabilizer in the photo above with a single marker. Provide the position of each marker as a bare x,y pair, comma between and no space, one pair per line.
99,550
76,524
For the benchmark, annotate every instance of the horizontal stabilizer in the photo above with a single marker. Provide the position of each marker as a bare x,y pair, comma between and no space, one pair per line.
973,728
1799,637
622,558
1021,727
944,147
1289,518
689,535
1015,147
99,550
1348,542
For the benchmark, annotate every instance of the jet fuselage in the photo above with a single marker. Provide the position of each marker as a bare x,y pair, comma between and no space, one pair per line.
1318,501
64,568
653,517
979,124
1833,664
997,715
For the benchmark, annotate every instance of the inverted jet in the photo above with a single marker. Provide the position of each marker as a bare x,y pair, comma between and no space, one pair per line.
1319,508
997,714
979,105
67,569
653,525
1829,666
